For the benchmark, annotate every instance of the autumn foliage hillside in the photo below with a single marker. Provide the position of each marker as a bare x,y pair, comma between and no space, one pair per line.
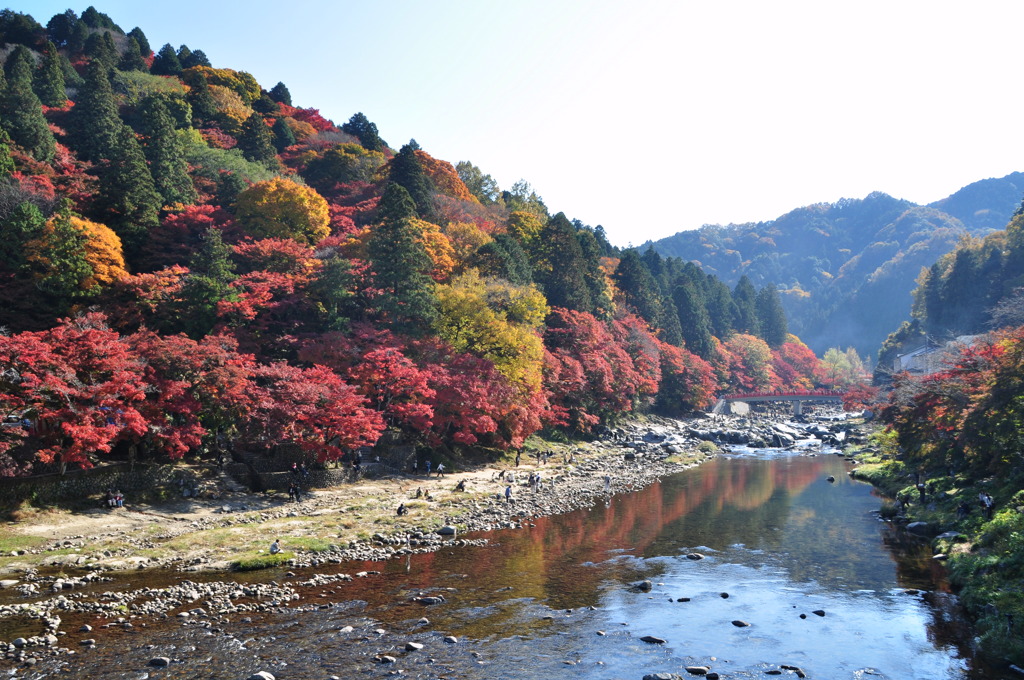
191,261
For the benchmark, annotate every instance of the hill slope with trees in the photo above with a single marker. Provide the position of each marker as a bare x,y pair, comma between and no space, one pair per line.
845,270
191,262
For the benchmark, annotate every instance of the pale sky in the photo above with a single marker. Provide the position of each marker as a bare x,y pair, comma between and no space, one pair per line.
647,117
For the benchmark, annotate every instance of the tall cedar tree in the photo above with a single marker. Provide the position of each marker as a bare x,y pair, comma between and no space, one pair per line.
21,112
6,162
166,63
204,108
560,271
721,310
94,123
503,258
142,41
132,59
256,141
744,296
638,287
165,153
280,93
127,198
407,171
207,284
283,135
401,266
593,275
60,27
693,318
100,47
770,317
24,224
359,126
48,80
189,58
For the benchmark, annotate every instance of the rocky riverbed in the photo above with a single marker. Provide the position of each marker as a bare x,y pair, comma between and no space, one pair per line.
63,579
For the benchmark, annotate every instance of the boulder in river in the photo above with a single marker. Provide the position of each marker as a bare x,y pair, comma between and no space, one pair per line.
662,676
641,587
261,675
740,624
650,639
698,670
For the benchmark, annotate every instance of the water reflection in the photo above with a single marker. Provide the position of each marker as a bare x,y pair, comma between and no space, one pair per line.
777,536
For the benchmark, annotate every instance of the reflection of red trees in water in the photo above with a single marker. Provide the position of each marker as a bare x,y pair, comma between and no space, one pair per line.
531,560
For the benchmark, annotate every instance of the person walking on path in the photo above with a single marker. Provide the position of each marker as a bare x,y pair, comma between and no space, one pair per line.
429,463
440,470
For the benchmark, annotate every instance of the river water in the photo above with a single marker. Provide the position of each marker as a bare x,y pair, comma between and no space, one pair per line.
552,600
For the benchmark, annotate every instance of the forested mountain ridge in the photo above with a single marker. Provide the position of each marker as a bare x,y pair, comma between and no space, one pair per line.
845,270
190,262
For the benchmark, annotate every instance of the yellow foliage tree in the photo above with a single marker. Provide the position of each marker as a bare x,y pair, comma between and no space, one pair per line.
466,238
525,227
282,208
233,111
240,82
438,247
495,320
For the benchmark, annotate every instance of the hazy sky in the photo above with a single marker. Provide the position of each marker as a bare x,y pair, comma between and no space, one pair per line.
646,117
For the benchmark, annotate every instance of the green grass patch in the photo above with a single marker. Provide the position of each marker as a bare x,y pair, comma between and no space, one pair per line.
256,561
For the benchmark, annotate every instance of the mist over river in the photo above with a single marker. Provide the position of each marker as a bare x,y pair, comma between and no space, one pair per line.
553,600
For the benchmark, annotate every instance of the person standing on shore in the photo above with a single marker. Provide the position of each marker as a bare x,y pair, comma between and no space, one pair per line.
508,493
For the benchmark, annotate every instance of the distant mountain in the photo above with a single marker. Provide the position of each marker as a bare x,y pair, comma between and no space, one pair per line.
985,204
845,270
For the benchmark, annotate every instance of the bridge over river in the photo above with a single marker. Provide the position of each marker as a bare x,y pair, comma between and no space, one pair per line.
797,397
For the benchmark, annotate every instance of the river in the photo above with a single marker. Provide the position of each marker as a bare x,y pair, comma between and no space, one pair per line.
779,542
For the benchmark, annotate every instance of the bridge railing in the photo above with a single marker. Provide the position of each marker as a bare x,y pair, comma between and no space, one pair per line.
809,394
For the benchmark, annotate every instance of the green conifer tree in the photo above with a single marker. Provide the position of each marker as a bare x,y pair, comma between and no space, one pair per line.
141,40
638,287
771,317
401,267
283,135
165,153
256,141
21,112
166,63
204,108
94,122
407,171
127,197
24,224
560,266
359,126
694,323
280,93
60,27
744,296
132,59
99,47
207,284
6,162
48,80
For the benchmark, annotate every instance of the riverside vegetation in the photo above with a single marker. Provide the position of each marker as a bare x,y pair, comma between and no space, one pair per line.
983,554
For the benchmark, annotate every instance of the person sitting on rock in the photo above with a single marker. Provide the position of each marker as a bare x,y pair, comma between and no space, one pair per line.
275,547
402,510
461,486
